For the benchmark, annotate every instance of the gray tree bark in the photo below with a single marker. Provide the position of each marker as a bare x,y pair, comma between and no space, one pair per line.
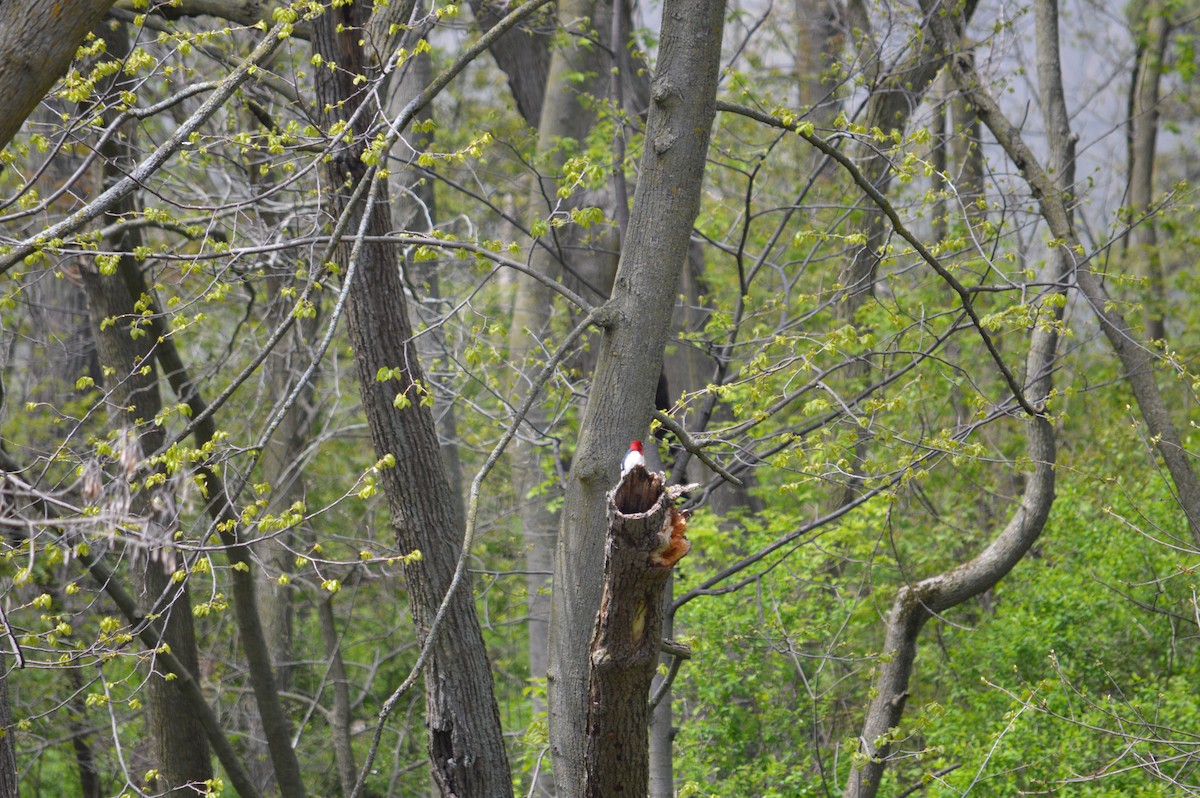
523,55
339,683
1143,238
38,40
10,784
465,742
636,323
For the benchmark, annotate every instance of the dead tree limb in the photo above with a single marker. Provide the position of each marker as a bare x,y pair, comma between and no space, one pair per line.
645,540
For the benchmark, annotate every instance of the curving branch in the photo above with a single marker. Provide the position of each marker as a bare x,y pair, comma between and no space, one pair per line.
965,294
917,603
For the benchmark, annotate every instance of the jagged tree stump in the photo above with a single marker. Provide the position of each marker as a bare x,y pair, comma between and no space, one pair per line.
645,540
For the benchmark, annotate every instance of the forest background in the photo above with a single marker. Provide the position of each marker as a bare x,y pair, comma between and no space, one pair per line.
325,329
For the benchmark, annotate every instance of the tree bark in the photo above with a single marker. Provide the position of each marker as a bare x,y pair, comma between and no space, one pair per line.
644,541
637,321
1143,238
38,41
10,784
340,715
465,743
523,55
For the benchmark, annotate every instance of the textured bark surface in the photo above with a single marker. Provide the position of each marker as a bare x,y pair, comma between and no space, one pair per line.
637,321
916,604
37,42
628,637
9,783
465,743
523,55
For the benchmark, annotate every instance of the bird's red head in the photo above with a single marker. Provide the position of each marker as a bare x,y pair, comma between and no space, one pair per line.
636,446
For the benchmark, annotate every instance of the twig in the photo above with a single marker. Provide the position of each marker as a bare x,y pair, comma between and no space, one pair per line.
881,201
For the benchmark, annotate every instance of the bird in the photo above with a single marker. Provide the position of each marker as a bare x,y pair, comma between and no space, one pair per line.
633,457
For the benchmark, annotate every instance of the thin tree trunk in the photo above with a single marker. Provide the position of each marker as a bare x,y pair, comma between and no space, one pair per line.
465,742
9,783
890,107
1143,238
967,150
343,749
636,325
662,733
275,722
916,604
563,118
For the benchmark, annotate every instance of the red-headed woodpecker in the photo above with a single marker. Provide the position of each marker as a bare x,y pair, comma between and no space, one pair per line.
633,458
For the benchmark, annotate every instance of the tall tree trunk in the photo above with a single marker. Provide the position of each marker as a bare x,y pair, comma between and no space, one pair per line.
636,326
967,149
465,742
567,116
339,684
9,783
1143,238
893,100
662,732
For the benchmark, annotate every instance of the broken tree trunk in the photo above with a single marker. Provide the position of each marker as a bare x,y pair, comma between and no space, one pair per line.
645,540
